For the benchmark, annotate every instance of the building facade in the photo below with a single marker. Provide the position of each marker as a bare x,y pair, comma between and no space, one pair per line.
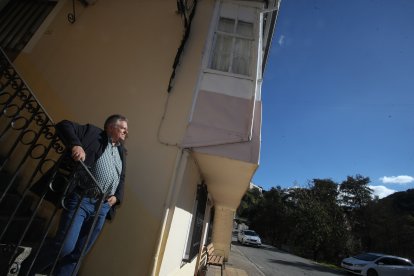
188,76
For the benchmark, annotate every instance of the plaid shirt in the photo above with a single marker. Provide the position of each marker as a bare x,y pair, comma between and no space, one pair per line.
107,169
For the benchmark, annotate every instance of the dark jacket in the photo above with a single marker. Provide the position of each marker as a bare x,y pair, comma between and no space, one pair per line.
94,141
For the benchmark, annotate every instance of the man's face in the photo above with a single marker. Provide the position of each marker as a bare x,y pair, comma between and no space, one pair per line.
118,131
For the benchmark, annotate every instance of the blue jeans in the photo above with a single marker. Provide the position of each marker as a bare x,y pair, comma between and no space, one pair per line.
77,234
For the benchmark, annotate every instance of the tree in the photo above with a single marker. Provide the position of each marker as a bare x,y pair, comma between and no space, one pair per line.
327,221
249,203
356,195
355,192
389,226
268,220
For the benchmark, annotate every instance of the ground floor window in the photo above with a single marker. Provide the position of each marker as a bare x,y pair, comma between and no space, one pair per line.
193,246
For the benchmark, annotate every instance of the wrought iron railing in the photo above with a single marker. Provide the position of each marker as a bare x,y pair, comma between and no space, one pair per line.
30,148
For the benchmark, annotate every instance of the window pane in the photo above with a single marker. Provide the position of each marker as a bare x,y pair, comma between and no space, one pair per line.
226,25
221,53
244,29
241,57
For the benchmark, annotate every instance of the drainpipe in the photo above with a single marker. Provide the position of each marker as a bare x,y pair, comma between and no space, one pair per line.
173,192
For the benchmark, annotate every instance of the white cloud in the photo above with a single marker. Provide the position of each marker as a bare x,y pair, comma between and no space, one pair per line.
401,179
381,191
281,40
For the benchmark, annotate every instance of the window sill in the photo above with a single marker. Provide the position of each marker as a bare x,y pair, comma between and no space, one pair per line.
222,73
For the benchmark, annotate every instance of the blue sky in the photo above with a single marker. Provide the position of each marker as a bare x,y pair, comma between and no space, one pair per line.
338,94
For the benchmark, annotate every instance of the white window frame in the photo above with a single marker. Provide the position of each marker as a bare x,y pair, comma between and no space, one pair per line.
221,10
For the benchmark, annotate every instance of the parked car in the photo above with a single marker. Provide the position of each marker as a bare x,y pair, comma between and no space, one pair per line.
374,264
249,237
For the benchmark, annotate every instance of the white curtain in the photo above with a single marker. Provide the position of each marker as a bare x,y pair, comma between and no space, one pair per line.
222,52
242,48
232,47
241,56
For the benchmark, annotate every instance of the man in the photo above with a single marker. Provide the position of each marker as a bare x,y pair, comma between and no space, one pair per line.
103,152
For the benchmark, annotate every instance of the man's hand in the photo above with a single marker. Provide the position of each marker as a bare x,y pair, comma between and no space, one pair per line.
111,200
78,153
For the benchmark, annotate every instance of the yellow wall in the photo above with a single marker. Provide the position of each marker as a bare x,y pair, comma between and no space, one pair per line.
179,225
117,58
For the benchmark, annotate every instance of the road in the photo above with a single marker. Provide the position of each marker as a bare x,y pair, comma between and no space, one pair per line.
270,261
